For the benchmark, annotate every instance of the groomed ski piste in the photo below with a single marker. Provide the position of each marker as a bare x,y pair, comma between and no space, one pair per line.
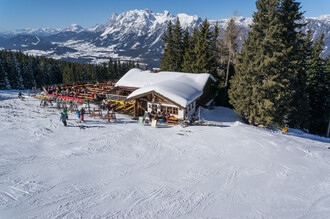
127,170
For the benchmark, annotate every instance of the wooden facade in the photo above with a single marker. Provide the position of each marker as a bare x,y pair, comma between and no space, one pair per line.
154,102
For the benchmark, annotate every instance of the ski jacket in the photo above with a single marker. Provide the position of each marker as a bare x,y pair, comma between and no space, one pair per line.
63,117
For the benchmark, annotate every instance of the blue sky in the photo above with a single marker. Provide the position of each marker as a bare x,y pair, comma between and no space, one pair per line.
16,14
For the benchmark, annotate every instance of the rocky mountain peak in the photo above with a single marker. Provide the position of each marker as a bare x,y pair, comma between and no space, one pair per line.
74,28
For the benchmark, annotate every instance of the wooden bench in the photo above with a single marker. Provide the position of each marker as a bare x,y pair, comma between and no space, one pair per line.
113,105
96,113
152,115
129,108
173,120
121,107
110,116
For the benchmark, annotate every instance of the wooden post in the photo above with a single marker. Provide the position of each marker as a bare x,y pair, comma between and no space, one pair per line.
136,108
134,114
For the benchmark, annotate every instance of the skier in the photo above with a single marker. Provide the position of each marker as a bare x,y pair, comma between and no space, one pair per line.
65,112
103,105
113,115
63,119
163,117
78,114
20,95
82,112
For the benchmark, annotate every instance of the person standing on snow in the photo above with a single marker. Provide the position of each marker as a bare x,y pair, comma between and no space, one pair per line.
63,119
82,112
20,95
78,114
65,112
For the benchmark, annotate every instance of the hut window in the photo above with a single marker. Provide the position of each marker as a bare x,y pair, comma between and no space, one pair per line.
154,107
170,110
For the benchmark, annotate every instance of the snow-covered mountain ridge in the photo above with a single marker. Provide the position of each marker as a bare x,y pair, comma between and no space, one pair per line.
30,31
131,35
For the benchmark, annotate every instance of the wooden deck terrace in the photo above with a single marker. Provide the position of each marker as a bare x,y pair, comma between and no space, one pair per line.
102,90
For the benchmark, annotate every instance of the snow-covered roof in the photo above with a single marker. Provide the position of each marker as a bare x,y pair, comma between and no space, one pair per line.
181,88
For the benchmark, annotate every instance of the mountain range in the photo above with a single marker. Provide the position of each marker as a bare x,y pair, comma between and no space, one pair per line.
132,35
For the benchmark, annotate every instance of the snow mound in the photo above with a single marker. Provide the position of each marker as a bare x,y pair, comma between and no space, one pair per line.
220,114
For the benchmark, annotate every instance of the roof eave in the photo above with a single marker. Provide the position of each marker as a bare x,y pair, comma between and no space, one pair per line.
160,95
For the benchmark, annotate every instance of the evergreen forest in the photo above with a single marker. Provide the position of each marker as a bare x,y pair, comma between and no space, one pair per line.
20,71
278,77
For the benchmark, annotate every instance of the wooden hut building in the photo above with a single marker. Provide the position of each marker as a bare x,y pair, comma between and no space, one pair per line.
174,93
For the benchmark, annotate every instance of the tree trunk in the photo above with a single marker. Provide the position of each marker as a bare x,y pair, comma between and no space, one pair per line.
227,73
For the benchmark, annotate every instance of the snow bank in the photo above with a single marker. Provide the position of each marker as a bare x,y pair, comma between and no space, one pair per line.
220,114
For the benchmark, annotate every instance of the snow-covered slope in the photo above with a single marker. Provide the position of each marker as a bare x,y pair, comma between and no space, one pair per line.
134,34
126,170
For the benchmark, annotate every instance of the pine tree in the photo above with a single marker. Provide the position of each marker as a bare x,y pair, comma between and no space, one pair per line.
91,71
268,64
225,53
14,71
205,60
327,79
115,68
27,73
120,69
229,40
56,73
189,59
245,80
178,53
293,63
216,45
166,61
318,89
4,82
110,69
172,58
185,43
299,116
67,73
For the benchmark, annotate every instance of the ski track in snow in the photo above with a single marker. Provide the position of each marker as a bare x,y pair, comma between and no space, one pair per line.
126,170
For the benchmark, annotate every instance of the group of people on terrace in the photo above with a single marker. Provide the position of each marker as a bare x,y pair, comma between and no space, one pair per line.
78,90
66,90
161,116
